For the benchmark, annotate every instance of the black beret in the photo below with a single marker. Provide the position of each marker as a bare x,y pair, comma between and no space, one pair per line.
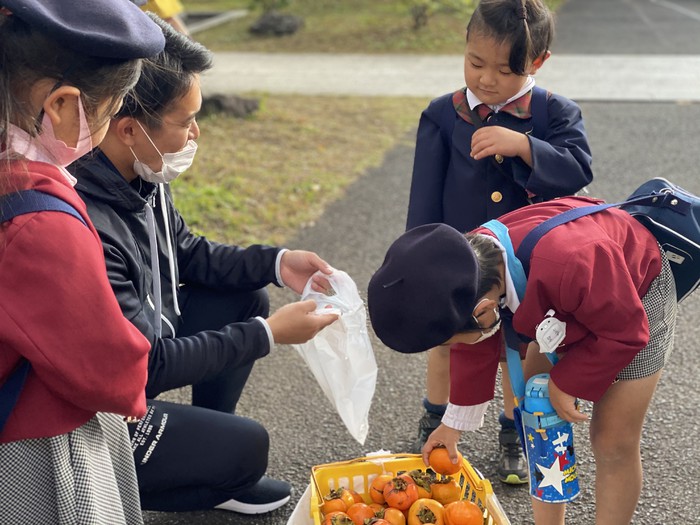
99,28
425,290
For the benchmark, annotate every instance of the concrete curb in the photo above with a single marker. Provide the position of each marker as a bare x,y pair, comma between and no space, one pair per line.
207,22
660,78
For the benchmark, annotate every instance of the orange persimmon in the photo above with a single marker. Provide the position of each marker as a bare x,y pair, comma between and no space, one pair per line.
463,512
439,460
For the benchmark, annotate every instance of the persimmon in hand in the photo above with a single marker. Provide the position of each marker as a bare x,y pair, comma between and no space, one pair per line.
439,460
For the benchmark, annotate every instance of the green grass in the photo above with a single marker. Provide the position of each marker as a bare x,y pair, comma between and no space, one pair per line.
215,5
260,179
362,26
342,26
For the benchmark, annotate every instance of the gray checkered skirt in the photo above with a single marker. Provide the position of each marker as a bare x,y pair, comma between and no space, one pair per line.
86,476
660,305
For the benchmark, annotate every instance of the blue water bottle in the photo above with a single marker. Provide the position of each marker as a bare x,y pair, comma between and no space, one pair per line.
550,446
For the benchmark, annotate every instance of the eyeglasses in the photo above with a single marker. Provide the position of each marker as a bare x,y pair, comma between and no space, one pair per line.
476,326
479,328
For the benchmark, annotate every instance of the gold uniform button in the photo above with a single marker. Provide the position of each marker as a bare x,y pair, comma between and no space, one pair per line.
499,158
496,196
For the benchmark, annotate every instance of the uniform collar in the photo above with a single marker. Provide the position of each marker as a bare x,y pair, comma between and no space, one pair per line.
518,105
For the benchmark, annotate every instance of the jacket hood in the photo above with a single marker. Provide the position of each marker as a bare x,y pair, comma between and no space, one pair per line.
99,179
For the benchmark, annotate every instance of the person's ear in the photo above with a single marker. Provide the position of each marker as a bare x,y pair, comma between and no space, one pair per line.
61,106
125,129
486,305
537,63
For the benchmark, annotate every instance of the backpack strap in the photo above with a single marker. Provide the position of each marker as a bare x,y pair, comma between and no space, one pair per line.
9,392
657,200
538,110
12,205
447,121
31,201
524,251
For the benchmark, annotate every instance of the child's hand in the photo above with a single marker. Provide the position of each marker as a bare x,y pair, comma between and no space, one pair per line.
496,140
442,435
564,404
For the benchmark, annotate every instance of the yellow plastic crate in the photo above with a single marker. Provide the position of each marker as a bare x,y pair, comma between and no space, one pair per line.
357,474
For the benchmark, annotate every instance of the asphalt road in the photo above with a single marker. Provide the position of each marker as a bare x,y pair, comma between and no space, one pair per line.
631,142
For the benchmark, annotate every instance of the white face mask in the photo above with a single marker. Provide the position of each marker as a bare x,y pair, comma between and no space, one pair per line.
491,331
174,164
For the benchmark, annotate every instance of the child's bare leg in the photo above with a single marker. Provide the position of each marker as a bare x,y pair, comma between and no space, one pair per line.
512,464
616,430
438,375
535,362
548,513
508,396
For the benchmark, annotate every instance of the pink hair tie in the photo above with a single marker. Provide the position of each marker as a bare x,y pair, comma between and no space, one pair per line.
5,11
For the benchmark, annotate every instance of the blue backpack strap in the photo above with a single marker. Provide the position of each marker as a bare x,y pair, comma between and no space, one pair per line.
658,200
524,251
9,392
447,121
515,370
538,110
30,201
12,205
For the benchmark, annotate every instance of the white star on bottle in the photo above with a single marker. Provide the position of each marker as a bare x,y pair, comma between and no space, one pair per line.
553,476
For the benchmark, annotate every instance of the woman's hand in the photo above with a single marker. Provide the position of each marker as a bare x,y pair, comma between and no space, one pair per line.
297,267
296,323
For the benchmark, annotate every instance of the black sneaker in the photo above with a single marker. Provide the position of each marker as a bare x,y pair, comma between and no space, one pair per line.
512,465
426,425
266,495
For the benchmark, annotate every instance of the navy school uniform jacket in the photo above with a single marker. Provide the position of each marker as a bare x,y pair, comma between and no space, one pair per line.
118,211
449,186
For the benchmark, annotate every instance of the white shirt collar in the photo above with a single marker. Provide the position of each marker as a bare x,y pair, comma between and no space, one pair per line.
474,101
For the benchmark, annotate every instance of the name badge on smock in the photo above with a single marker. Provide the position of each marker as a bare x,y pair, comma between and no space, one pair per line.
550,333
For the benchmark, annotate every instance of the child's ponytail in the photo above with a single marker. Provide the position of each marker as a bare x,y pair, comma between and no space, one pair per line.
521,45
526,24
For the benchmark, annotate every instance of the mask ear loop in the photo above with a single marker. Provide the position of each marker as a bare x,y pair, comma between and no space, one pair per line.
476,321
149,140
59,83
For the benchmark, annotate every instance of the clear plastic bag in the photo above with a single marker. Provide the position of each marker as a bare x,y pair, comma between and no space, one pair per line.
340,356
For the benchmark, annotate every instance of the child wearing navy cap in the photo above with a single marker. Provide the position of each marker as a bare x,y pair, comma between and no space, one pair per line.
604,277
64,447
